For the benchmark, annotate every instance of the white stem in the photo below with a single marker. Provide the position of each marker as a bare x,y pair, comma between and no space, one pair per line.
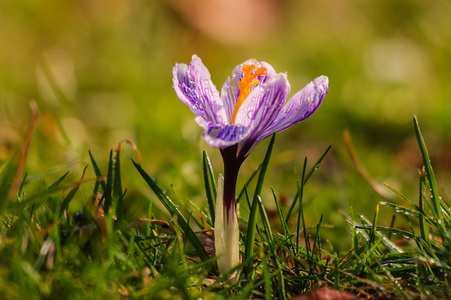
227,239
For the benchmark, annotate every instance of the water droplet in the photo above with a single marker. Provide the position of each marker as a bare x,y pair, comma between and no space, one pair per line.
251,114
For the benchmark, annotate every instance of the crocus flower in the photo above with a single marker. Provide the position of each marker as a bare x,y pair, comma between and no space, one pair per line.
251,107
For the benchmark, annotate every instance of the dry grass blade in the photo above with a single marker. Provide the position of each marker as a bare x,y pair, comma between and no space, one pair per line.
378,188
23,154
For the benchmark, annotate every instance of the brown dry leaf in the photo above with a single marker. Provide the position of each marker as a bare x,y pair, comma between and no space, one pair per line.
208,241
23,153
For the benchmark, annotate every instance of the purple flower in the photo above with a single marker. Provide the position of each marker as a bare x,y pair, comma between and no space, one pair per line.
251,107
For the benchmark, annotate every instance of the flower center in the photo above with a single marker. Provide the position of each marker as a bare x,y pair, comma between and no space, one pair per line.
245,85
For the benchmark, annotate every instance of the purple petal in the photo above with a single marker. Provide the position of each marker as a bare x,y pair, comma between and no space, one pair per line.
194,88
263,105
231,91
228,96
222,135
301,106
237,75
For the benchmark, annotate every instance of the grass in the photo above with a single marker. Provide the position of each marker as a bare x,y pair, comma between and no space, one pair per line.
100,72
101,250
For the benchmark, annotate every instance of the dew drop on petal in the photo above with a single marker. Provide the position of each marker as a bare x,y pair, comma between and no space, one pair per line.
251,114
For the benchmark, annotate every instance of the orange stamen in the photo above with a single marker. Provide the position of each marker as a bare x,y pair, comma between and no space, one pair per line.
245,85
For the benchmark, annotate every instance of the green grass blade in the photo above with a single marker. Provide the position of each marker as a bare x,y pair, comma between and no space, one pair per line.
266,277
301,215
423,227
242,192
250,237
300,194
174,211
293,204
336,273
283,223
97,172
117,184
41,197
413,205
429,172
354,238
249,249
118,193
107,193
317,242
374,228
67,199
71,194
7,173
272,248
316,165
210,185
55,185
309,174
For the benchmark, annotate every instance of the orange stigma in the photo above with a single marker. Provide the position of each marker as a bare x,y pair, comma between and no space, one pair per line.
245,85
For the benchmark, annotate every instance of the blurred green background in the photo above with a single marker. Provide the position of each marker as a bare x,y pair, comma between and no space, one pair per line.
101,71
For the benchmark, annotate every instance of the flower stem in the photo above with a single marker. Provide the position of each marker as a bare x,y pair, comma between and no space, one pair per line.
231,167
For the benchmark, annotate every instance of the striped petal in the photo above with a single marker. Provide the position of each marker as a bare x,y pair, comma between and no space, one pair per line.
263,105
194,87
222,135
301,106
